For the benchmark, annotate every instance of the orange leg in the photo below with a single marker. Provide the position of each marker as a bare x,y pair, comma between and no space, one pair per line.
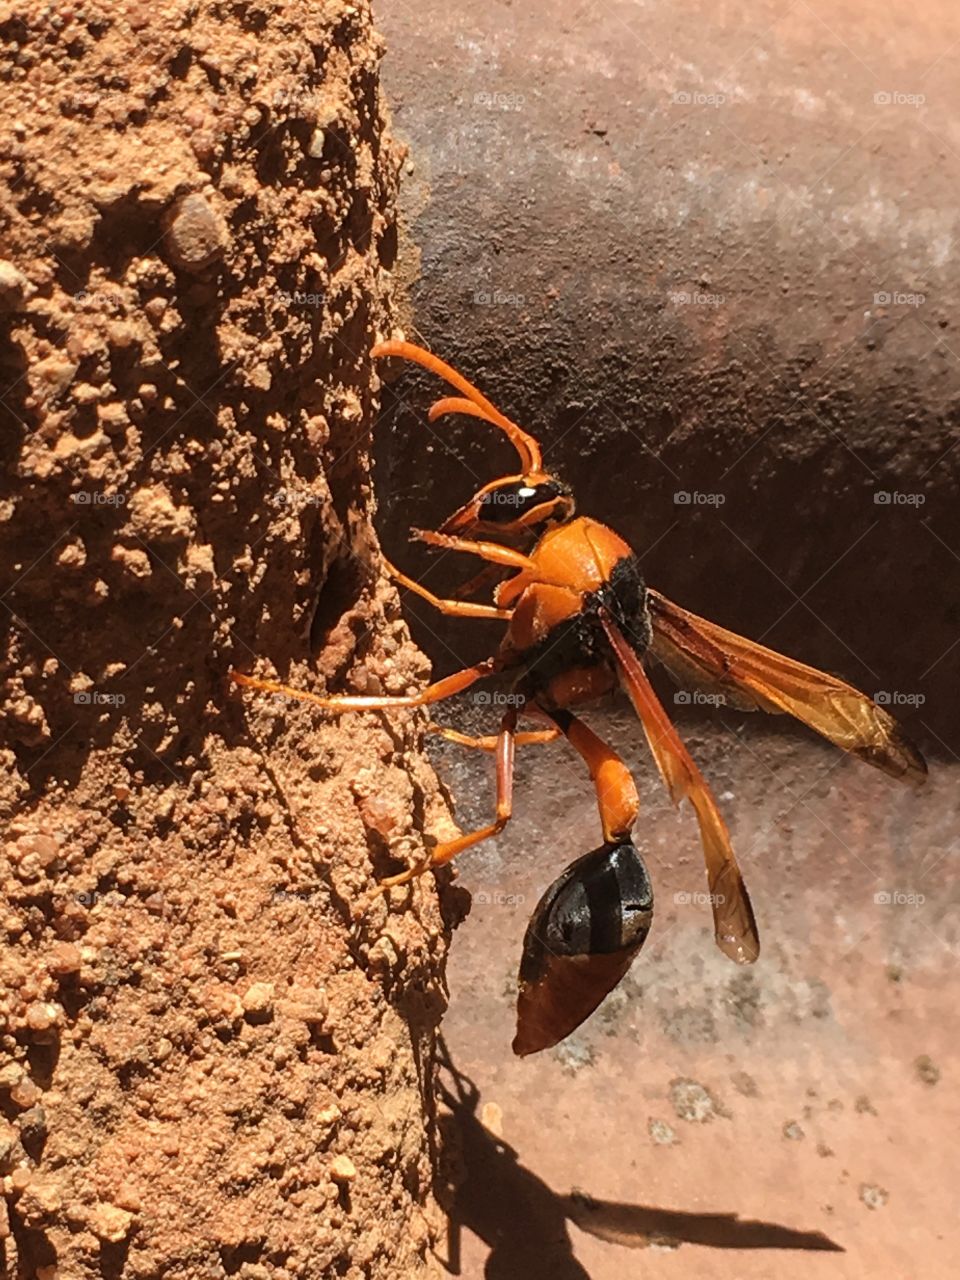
489,576
489,743
342,702
448,849
492,551
616,791
459,608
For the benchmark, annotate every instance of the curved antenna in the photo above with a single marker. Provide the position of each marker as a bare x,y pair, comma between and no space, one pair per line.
525,445
456,404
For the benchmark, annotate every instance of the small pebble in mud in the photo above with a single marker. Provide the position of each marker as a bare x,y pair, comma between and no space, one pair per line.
14,287
927,1070
11,1073
661,1133
25,1094
491,1117
109,1222
342,1170
327,1117
196,235
258,1002
43,1019
33,1125
873,1197
9,1145
691,1101
306,1004
793,1131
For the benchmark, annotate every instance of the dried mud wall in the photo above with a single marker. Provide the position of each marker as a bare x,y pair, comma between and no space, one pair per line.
216,1051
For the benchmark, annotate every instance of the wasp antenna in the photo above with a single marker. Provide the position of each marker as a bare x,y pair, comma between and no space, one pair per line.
525,445
456,404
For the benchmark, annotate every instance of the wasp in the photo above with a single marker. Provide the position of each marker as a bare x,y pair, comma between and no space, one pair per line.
581,621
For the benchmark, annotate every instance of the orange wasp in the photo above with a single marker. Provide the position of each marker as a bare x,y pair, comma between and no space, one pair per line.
581,621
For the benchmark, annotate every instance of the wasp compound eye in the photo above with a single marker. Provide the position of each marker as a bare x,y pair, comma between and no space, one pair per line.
581,940
507,503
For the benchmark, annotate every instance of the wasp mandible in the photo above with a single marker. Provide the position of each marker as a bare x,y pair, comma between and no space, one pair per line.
580,621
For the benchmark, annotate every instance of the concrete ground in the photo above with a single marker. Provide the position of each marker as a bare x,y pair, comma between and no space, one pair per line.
788,1119
706,250
709,251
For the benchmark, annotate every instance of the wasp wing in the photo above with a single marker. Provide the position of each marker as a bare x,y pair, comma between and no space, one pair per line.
747,674
734,922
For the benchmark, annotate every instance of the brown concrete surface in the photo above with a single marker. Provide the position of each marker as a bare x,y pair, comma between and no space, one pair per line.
718,1121
686,294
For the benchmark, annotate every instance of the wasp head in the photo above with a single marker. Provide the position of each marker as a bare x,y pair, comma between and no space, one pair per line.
514,505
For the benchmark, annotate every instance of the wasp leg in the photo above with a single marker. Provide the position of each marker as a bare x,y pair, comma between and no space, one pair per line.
489,576
445,688
448,849
492,551
617,797
489,743
459,608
